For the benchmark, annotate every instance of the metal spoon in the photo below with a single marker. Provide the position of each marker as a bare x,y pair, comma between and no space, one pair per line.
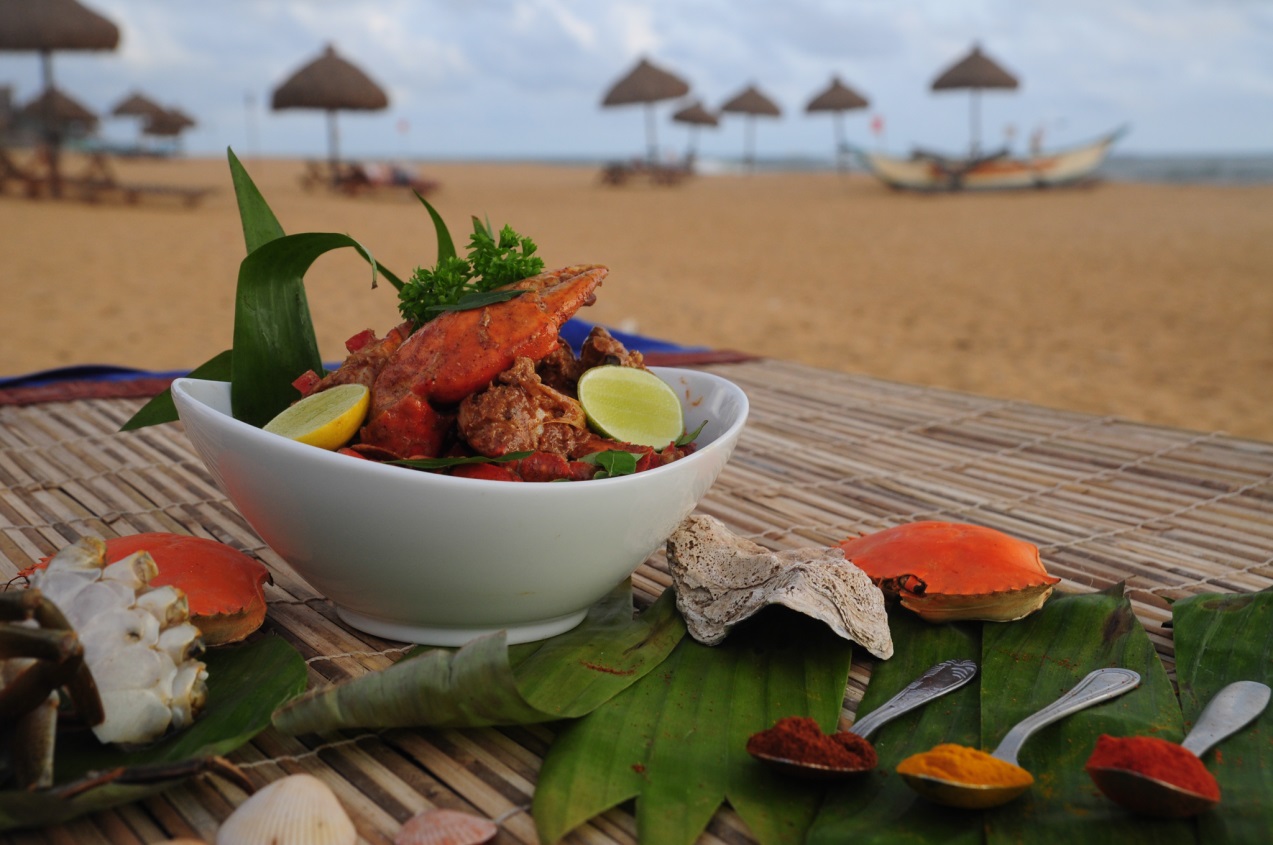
1229,711
1098,686
937,681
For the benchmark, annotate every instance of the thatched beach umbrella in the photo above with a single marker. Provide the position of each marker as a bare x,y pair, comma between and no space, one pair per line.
332,84
57,110
137,104
168,123
752,103
646,84
695,115
46,26
837,98
976,72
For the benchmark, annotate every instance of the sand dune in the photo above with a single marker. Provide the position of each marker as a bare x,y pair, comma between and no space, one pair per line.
1151,302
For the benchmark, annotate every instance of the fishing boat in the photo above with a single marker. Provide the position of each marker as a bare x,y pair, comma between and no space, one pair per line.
926,171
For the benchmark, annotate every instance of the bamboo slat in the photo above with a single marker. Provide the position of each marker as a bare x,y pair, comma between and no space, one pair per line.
824,456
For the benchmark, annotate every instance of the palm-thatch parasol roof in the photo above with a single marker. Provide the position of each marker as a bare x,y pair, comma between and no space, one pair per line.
696,115
975,72
837,98
45,26
49,25
169,122
53,107
752,103
646,84
137,104
330,83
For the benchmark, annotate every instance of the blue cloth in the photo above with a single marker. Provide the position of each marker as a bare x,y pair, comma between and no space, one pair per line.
575,331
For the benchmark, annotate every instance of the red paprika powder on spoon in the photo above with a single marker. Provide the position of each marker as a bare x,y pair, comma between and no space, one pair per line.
799,740
1155,758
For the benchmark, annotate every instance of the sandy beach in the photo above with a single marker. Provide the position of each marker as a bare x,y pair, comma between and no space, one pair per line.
1151,302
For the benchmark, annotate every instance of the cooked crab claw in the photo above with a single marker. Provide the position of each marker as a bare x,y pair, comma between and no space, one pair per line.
461,352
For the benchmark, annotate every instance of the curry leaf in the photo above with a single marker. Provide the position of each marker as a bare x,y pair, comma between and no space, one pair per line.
676,739
613,462
487,683
1219,639
690,436
245,684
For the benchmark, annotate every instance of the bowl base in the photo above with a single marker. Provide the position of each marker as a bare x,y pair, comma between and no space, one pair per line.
527,632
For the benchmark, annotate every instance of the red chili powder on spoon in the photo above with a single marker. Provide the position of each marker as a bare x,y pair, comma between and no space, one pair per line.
1155,758
801,740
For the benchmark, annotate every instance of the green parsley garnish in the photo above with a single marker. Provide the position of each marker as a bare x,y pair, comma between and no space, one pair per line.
457,284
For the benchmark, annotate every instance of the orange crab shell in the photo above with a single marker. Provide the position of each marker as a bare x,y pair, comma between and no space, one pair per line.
946,571
224,588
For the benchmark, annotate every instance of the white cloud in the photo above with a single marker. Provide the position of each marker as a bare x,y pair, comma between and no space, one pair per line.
524,77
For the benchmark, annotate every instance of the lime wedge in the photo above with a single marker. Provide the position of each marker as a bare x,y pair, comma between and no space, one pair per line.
631,405
328,419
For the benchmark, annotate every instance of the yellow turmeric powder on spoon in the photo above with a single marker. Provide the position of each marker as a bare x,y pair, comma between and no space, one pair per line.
964,765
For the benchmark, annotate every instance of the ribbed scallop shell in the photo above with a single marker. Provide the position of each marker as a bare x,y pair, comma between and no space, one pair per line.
296,810
446,827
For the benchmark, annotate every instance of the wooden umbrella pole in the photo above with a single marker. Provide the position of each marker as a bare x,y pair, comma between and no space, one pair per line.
975,119
333,143
651,141
52,136
838,120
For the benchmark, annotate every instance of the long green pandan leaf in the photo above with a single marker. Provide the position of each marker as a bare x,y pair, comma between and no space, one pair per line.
487,683
1028,664
271,313
161,409
676,740
1222,638
880,807
274,339
245,685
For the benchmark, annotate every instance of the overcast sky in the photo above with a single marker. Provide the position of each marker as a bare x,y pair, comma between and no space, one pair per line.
524,78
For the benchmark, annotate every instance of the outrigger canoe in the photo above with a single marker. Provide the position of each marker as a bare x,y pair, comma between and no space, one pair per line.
925,171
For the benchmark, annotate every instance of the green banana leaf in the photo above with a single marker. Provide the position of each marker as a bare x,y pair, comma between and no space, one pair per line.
879,807
676,740
1028,664
487,683
246,684
1219,639
1024,666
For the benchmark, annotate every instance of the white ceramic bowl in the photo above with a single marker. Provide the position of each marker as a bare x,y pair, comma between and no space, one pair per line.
427,558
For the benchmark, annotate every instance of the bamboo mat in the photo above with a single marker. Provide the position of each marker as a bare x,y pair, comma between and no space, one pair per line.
824,455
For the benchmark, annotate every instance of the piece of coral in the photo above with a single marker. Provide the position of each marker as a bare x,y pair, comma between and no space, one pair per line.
722,579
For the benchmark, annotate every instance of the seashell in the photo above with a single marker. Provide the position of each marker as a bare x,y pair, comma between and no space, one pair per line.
295,810
722,579
446,827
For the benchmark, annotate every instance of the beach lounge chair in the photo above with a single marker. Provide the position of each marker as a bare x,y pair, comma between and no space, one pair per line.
620,173
11,173
356,179
98,181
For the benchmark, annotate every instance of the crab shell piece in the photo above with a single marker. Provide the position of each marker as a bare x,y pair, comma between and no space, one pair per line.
224,587
946,571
